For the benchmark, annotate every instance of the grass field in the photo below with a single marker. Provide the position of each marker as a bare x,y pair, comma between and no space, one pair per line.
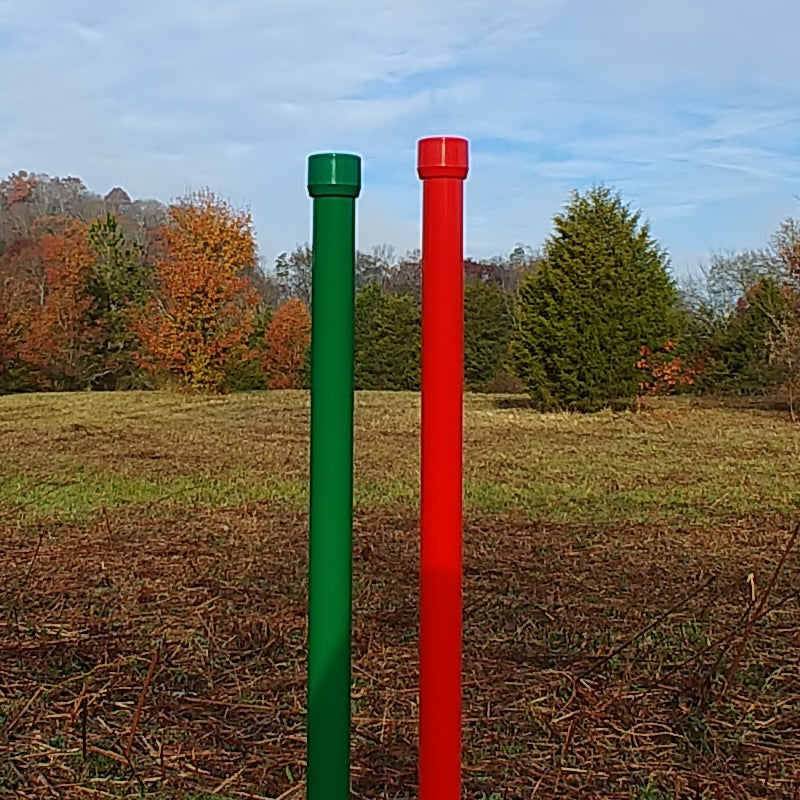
632,615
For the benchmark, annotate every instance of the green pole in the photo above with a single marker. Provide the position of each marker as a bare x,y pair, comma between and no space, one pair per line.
334,182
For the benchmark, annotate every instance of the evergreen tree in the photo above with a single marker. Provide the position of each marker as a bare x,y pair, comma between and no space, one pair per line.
387,340
740,353
119,282
487,329
246,372
602,290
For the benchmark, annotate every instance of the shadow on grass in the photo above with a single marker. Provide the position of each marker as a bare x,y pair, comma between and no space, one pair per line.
767,403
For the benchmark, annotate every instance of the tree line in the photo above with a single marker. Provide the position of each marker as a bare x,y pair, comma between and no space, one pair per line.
107,293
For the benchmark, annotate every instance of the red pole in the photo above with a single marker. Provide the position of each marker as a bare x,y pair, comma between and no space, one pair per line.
442,165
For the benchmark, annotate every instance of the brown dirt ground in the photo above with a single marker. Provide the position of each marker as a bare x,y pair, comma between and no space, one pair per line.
567,693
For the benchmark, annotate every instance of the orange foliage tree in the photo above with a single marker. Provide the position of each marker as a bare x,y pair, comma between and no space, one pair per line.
663,371
7,338
200,316
287,341
22,288
56,334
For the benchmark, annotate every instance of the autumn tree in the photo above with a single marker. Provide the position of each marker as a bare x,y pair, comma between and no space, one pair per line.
15,374
785,245
22,287
8,347
266,285
293,272
375,266
521,261
59,336
483,272
784,338
201,313
287,340
783,342
405,276
17,211
26,199
664,371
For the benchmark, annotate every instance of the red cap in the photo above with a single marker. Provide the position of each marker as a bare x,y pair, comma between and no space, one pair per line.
443,157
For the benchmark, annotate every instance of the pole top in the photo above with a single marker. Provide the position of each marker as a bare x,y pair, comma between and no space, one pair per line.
334,175
443,157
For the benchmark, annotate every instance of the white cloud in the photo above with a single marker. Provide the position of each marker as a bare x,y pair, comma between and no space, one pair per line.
690,109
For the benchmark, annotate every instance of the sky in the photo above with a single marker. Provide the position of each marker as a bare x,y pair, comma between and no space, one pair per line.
691,110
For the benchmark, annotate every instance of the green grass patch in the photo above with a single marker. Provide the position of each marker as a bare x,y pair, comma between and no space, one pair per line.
66,455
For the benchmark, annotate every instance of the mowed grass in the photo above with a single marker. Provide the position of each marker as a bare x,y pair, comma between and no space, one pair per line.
65,456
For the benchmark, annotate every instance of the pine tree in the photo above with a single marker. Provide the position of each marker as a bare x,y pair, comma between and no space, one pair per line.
602,290
487,329
118,286
742,350
245,371
387,340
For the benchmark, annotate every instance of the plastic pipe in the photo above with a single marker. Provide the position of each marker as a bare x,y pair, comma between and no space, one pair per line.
334,182
442,165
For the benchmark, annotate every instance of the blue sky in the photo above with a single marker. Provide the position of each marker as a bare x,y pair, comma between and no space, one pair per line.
690,109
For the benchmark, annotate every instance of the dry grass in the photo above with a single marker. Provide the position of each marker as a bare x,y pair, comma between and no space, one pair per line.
150,647
66,455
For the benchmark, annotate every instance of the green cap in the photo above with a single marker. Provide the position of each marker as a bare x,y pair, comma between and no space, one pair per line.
334,175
